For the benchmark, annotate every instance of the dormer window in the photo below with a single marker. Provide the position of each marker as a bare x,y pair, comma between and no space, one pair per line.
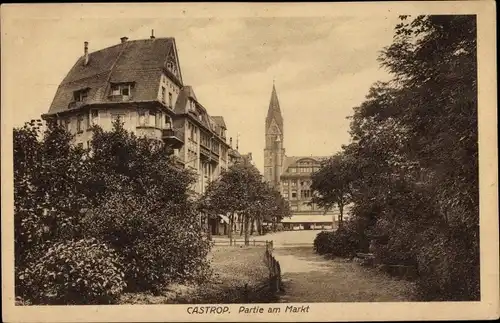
81,95
123,89
192,106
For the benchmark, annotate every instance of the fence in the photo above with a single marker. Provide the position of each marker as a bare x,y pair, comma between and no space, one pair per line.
240,242
275,283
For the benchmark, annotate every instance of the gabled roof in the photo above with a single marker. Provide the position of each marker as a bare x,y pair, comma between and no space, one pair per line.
274,111
219,120
190,92
138,61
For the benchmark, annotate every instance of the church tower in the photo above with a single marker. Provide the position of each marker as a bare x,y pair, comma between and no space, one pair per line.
274,152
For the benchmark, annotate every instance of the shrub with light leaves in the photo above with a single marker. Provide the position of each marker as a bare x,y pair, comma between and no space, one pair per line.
75,273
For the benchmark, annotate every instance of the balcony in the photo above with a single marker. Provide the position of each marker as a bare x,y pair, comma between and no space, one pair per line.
215,151
173,138
204,151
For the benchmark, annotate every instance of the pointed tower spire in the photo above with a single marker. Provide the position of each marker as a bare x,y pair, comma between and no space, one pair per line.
274,152
274,111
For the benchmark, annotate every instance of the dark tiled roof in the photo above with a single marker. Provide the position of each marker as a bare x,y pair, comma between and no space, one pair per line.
139,61
190,92
182,100
219,120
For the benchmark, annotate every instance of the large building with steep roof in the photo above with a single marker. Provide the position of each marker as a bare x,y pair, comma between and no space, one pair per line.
291,175
140,83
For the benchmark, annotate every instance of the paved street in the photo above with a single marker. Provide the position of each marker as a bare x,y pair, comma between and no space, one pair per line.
309,277
293,238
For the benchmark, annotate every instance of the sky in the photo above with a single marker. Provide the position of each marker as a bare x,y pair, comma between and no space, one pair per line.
322,68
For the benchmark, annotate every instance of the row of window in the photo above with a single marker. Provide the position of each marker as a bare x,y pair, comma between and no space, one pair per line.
304,207
116,89
151,118
304,194
294,182
303,169
145,118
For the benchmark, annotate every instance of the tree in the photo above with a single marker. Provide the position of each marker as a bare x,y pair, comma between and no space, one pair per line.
415,153
144,210
331,184
241,191
125,193
278,209
50,191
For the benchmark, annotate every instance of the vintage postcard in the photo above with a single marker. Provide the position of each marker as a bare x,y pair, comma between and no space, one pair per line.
253,162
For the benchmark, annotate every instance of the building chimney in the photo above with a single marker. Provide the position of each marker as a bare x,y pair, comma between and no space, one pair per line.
152,34
85,53
124,39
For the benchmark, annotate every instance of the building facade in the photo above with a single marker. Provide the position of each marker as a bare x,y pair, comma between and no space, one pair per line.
140,83
291,175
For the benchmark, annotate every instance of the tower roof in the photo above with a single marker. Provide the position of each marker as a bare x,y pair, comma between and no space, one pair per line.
274,111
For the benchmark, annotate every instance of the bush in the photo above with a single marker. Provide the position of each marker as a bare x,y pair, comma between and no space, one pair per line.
344,243
400,246
340,243
160,244
323,241
75,272
448,268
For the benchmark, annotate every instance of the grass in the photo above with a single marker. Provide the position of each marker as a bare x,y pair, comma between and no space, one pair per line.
239,265
234,267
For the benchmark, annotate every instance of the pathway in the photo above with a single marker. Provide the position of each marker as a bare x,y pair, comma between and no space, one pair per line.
309,277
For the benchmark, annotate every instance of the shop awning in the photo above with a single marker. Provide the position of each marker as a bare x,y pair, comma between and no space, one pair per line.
313,218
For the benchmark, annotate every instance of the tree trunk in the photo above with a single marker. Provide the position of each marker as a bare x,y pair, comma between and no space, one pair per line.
231,220
259,226
252,226
247,221
341,214
241,224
